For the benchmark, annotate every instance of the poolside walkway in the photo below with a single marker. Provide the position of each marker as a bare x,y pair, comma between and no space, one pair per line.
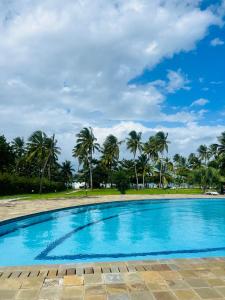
180,279
183,279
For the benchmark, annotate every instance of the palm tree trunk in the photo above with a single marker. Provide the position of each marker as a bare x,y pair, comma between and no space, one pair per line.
143,179
42,173
136,175
90,167
160,174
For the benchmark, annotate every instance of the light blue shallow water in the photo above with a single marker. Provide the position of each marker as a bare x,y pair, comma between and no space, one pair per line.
149,229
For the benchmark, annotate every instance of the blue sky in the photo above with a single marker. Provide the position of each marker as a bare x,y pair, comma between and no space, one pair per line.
205,68
117,66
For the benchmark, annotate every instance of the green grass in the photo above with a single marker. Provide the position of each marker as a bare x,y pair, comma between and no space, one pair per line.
99,192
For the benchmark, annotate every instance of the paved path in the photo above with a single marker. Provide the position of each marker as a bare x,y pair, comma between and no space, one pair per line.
184,279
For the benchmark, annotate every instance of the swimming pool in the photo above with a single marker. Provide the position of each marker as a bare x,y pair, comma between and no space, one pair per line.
134,230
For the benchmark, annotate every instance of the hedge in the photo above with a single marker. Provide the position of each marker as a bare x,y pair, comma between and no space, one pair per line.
12,184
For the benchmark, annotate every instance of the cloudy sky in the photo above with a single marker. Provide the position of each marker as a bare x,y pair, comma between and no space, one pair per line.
115,65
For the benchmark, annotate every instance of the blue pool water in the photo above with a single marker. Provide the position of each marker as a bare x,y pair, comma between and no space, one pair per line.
149,229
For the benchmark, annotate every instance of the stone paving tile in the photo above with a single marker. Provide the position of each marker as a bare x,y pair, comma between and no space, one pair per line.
197,282
118,297
136,287
159,285
94,290
48,282
27,294
72,291
170,275
7,294
164,296
149,276
53,293
11,284
96,297
208,293
221,290
133,277
31,283
93,279
215,282
116,288
186,295
177,284
73,280
112,278
142,296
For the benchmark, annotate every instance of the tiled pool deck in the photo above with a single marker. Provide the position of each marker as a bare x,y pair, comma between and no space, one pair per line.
183,279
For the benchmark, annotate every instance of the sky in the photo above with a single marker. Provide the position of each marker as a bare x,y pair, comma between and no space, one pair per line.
115,65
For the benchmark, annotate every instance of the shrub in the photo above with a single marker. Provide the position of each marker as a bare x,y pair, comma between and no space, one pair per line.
12,184
121,180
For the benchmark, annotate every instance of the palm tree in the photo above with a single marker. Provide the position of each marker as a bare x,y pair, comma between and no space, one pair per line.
213,151
162,146
67,172
52,152
143,165
110,153
221,146
150,149
18,147
134,145
193,161
85,147
203,153
44,151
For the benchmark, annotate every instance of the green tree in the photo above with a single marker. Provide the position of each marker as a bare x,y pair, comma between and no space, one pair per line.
134,145
203,153
121,180
84,149
67,173
162,146
193,161
142,164
18,147
44,152
6,155
110,153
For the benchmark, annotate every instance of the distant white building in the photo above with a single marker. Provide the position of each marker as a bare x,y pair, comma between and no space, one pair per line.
78,185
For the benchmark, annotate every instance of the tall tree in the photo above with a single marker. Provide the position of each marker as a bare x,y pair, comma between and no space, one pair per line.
18,147
142,164
110,153
6,154
203,153
67,172
44,150
150,149
221,146
134,145
85,147
162,146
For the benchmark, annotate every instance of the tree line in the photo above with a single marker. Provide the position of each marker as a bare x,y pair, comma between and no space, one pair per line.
34,164
150,162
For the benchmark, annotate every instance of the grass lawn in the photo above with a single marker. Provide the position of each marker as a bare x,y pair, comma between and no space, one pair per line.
99,192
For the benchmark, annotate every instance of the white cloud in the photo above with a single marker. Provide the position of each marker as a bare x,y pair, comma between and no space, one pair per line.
200,102
184,139
216,42
66,64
